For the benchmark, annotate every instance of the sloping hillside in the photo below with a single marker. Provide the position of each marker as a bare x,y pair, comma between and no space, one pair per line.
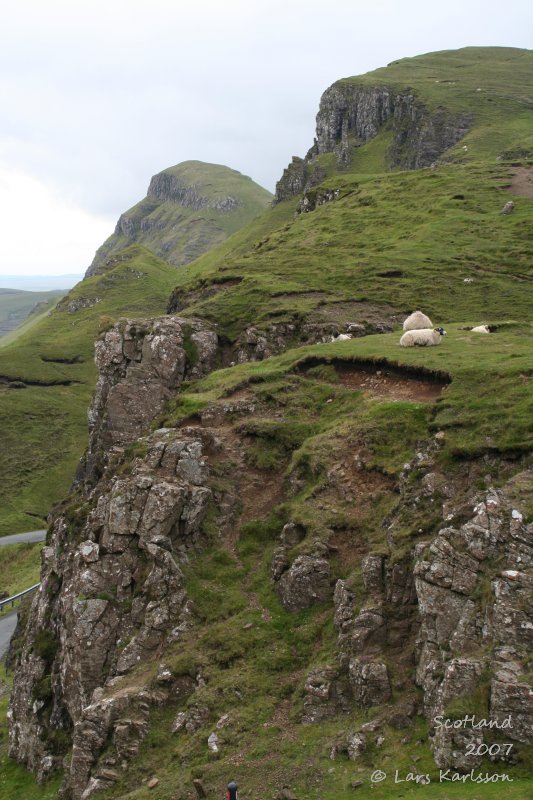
47,374
188,209
47,377
17,305
321,547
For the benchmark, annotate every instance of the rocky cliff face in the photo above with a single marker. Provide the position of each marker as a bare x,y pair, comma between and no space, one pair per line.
114,593
141,364
472,585
351,115
170,188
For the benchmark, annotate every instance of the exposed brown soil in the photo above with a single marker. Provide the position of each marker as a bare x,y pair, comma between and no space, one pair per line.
522,182
379,384
391,383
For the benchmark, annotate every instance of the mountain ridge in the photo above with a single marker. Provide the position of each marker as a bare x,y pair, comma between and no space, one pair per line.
318,544
188,209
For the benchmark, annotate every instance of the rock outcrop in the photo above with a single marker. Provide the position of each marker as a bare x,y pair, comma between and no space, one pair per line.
112,592
472,584
141,364
351,115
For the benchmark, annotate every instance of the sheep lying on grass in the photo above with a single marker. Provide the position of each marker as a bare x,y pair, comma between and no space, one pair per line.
342,337
416,321
480,329
425,337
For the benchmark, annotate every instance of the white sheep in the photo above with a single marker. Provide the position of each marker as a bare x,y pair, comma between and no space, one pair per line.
424,337
417,321
480,329
342,337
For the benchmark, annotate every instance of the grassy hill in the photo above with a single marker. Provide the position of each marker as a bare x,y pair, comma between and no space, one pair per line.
47,378
189,209
401,240
408,239
17,305
433,238
491,83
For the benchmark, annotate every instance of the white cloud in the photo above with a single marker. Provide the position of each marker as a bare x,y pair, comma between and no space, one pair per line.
42,233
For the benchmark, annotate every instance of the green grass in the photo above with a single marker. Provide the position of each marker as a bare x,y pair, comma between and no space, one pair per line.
44,426
15,780
179,233
16,305
293,268
486,408
19,566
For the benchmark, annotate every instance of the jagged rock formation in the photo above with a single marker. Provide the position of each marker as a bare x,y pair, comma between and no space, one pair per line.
188,209
141,364
113,593
351,115
470,643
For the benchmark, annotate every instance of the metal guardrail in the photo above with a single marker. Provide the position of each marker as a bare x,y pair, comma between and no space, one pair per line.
16,597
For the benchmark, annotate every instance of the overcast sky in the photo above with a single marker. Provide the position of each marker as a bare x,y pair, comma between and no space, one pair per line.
95,97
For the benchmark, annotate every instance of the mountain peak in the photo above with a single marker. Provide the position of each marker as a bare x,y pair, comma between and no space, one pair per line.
189,208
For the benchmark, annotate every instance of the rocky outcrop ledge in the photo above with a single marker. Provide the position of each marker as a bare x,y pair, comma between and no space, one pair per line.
351,115
141,364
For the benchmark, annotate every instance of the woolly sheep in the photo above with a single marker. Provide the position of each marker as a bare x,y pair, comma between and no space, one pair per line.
480,329
424,337
342,337
417,321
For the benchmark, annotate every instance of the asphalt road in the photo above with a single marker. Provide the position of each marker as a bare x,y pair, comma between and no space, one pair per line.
19,538
9,622
7,627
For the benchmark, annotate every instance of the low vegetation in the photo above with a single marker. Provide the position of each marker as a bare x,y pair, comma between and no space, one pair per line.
47,377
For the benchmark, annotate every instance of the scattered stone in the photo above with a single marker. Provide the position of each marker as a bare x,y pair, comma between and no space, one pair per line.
286,793
356,745
212,743
152,783
89,551
179,723
508,208
164,675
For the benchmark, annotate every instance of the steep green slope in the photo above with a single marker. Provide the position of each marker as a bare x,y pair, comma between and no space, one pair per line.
47,378
17,305
404,238
493,84
407,239
189,209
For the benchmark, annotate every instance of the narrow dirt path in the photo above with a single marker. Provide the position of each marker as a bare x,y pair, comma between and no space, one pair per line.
522,182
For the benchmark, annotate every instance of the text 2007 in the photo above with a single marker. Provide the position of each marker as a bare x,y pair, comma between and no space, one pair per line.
491,750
